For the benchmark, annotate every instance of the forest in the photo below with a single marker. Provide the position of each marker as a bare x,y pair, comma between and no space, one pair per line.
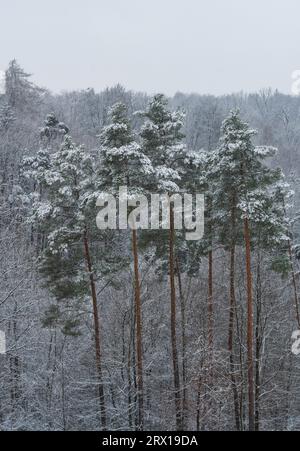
143,330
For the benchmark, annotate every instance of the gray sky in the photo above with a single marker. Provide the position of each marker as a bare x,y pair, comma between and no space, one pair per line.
204,46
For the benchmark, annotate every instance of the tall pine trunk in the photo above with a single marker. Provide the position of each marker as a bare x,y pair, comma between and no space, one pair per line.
258,343
232,314
139,347
96,331
129,378
250,366
183,340
173,321
210,307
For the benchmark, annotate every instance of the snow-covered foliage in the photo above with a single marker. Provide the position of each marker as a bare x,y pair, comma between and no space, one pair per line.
47,378
161,135
122,160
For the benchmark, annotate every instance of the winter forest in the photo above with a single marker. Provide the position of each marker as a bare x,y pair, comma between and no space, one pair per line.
131,330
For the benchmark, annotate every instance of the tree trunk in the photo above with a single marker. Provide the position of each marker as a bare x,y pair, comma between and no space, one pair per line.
198,415
232,312
173,321
96,331
210,307
250,367
129,395
183,339
258,344
139,347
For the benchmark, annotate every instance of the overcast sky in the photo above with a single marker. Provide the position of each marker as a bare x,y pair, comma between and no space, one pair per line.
204,46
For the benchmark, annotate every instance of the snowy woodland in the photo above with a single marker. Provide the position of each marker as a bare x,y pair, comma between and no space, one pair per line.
143,330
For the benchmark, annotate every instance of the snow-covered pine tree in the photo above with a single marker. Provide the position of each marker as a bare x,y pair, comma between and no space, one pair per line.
64,208
161,135
284,261
123,163
53,129
20,92
244,194
7,119
197,178
194,167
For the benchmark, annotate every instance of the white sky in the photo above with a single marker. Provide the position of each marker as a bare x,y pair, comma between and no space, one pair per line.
204,46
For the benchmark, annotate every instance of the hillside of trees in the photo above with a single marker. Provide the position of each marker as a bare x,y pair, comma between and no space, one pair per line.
137,329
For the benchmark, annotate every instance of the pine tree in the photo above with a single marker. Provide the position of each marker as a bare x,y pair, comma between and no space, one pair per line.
7,120
64,208
20,92
124,164
245,195
161,135
53,130
286,196
197,178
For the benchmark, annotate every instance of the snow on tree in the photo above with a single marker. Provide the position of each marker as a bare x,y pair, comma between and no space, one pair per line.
161,136
247,209
64,209
123,163
20,92
53,128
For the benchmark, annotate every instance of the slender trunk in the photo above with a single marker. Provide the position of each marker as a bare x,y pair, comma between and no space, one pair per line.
173,321
126,365
139,350
198,405
129,398
52,368
250,367
64,395
96,330
257,346
232,314
210,306
183,339
132,388
134,374
209,364
210,302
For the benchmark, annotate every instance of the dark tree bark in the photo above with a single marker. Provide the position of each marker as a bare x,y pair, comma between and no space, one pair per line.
139,347
183,339
210,306
250,366
232,314
173,322
258,343
96,331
